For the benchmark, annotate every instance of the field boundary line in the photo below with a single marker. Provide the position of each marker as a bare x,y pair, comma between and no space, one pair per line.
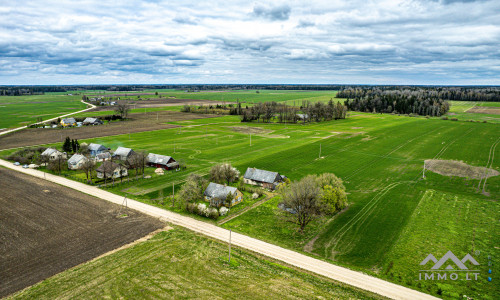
301,261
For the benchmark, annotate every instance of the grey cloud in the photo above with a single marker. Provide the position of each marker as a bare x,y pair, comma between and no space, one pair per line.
276,13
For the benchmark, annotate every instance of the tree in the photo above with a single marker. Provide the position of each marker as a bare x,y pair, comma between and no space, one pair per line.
67,147
193,188
334,199
229,199
302,198
122,108
88,167
58,164
221,173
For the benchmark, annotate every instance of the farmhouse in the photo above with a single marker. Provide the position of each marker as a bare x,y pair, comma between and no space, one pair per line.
92,121
162,161
216,194
95,149
123,153
53,154
110,169
104,156
266,179
68,122
76,161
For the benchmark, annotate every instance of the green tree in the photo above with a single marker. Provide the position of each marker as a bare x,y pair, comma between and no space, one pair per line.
66,147
193,188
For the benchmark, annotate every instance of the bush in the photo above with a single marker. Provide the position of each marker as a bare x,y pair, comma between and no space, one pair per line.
485,121
454,119
444,118
255,196
202,210
213,213
223,211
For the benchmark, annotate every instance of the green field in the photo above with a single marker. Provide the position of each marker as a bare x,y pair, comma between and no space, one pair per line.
24,110
250,96
380,158
459,110
181,264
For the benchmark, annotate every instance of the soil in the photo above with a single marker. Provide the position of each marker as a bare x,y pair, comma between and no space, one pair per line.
484,110
138,122
460,169
47,228
161,102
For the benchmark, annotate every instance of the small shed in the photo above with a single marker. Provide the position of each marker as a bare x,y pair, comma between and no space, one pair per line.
266,179
162,161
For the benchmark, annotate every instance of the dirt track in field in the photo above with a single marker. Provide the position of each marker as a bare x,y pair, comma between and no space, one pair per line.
138,122
46,228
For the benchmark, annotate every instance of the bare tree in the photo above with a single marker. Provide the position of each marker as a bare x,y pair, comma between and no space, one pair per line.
122,108
193,188
88,167
303,199
224,173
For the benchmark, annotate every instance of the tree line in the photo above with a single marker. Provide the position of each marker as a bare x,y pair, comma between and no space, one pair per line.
268,111
420,102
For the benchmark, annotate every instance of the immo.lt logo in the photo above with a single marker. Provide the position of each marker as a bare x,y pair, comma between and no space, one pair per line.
449,267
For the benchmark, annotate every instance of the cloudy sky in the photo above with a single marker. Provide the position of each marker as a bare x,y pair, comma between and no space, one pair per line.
352,42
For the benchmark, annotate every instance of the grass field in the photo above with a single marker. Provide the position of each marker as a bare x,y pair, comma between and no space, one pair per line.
250,96
23,110
180,264
463,110
380,157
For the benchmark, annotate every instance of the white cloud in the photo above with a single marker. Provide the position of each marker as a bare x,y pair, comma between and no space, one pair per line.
420,41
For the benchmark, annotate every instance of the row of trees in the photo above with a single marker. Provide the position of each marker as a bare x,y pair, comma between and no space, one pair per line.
319,111
441,93
422,102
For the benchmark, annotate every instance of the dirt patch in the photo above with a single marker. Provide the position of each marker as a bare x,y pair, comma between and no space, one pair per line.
458,168
484,110
357,127
138,122
161,102
47,228
257,131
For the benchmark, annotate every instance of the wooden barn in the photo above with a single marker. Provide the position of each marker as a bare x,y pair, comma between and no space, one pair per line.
162,161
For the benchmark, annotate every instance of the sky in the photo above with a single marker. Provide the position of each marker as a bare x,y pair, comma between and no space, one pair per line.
441,42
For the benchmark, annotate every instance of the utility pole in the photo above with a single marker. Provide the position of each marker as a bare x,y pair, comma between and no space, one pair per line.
229,246
173,195
319,150
157,116
174,147
250,140
423,171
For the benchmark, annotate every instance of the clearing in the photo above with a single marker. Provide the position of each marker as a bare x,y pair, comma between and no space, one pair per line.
47,228
458,168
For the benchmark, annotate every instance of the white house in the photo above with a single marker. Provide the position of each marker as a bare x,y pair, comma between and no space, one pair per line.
76,161
53,154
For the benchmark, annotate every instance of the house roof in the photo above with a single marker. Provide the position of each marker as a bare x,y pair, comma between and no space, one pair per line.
91,120
96,147
122,151
75,159
219,191
158,159
108,166
260,175
103,155
49,151
69,120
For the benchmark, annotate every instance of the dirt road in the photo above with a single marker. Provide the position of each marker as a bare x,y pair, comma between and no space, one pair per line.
290,257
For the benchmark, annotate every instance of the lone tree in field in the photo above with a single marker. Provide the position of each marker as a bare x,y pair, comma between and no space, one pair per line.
302,198
221,173
193,189
122,108
312,197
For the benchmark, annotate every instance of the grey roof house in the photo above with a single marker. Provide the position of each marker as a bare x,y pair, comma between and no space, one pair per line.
104,156
263,178
123,153
216,194
162,161
109,169
92,121
95,149
53,154
76,161
68,122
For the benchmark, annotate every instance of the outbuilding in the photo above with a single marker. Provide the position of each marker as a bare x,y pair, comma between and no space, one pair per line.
217,194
